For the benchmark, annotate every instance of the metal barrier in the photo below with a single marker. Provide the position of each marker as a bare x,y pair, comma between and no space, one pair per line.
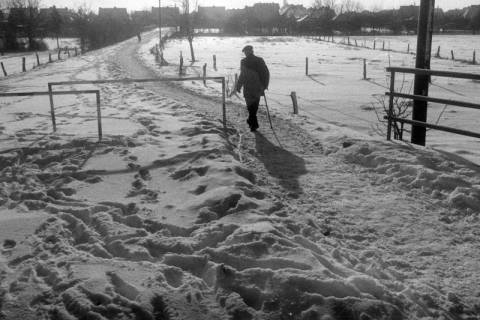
59,93
125,81
447,74
52,93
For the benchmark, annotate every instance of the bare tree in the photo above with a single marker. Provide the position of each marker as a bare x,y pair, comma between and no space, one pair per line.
332,4
317,4
27,16
350,6
187,23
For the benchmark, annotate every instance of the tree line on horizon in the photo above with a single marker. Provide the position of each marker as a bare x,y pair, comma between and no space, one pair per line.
325,17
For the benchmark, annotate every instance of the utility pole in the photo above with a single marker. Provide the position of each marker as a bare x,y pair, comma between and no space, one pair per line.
424,52
160,23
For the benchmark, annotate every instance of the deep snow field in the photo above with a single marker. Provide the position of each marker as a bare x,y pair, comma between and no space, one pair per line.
336,70
172,216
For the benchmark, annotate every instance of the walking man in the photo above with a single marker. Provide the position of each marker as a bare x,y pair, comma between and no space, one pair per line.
254,78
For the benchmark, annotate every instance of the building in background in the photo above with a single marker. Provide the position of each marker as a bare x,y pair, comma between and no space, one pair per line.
113,13
211,17
170,16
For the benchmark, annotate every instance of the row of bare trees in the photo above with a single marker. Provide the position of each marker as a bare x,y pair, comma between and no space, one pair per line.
25,20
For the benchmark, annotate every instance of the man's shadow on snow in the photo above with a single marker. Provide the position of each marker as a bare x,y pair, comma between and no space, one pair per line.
281,164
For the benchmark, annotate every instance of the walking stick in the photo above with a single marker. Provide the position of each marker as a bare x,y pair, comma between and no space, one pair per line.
268,112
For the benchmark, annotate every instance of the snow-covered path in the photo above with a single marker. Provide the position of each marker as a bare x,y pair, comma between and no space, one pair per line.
172,217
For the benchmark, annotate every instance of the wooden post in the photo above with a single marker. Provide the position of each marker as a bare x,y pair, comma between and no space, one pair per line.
214,62
180,69
383,48
453,56
408,48
390,108
76,51
236,81
422,82
38,59
374,44
438,52
59,54
224,103
24,68
364,69
295,102
157,53
348,40
205,74
99,117
52,108
3,69
474,60
68,52
356,44
306,66
50,57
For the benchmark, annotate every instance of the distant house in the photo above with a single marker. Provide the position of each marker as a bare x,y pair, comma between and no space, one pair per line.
472,12
113,13
170,16
211,17
266,12
142,18
64,12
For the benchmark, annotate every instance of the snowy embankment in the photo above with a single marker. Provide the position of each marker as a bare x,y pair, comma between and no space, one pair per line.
172,217
13,62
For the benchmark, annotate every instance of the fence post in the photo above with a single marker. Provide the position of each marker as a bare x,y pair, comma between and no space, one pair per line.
99,117
76,51
236,82
356,45
50,57
438,52
348,40
474,60
374,44
68,52
215,62
383,48
205,74
52,108
224,103
408,48
24,68
59,54
364,69
306,66
180,69
38,59
3,69
390,106
295,102
453,56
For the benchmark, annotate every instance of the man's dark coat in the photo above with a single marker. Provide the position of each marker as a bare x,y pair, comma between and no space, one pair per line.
254,78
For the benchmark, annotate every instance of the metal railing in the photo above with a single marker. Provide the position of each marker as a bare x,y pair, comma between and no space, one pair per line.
447,74
51,93
60,93
126,81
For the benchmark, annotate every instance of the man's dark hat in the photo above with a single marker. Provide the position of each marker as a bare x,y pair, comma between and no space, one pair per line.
247,49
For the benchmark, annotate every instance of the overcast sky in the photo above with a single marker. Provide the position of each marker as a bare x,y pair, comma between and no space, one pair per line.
142,4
